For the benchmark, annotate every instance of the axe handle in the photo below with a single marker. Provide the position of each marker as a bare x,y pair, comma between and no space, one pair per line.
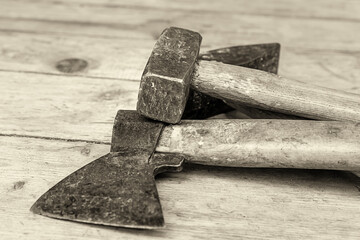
265,143
271,92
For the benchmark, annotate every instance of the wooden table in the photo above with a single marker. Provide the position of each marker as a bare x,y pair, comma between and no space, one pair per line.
67,66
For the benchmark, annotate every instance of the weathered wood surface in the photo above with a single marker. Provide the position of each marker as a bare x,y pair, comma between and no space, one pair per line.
221,203
272,92
49,119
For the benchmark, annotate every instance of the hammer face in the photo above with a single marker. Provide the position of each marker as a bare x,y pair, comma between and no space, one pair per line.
165,83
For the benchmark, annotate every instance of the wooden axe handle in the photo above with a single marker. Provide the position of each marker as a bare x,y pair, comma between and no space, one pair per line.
270,92
265,143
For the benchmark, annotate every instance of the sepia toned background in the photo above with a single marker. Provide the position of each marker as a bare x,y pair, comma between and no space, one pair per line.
67,66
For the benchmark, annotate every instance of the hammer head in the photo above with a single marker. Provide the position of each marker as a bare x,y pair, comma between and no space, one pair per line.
165,83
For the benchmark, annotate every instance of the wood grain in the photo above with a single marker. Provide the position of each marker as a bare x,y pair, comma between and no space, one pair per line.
41,53
331,63
302,144
29,54
54,118
274,93
62,107
275,8
226,203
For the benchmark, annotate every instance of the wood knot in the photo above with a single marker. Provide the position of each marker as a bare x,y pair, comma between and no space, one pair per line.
71,65
18,185
85,151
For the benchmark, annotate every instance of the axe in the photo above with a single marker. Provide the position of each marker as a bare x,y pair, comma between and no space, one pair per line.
119,188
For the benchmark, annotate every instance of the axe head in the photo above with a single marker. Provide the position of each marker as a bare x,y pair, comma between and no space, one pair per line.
117,189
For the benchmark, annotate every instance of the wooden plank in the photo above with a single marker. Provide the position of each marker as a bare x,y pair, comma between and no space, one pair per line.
70,107
279,204
327,51
320,45
121,58
319,9
61,106
123,21
106,58
333,69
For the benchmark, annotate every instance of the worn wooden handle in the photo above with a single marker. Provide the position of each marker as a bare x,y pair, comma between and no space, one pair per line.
266,143
270,92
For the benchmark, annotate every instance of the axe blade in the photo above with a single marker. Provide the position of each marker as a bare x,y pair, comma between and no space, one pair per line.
117,189
263,57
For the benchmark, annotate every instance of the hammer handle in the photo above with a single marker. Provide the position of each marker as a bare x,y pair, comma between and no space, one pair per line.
265,143
271,92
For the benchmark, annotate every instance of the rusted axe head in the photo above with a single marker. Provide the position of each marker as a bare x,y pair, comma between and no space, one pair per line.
165,83
117,189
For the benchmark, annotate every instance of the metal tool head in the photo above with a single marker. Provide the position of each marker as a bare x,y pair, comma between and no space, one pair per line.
263,57
119,188
165,83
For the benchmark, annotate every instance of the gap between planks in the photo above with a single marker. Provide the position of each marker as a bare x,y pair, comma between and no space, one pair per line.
54,139
68,75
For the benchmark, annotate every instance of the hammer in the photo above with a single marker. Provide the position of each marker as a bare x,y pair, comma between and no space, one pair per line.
173,68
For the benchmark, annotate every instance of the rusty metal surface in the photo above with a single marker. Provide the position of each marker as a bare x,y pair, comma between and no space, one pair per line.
119,189
133,131
263,57
165,83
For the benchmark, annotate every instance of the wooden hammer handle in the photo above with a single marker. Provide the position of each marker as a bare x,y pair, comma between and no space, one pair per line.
266,143
270,92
